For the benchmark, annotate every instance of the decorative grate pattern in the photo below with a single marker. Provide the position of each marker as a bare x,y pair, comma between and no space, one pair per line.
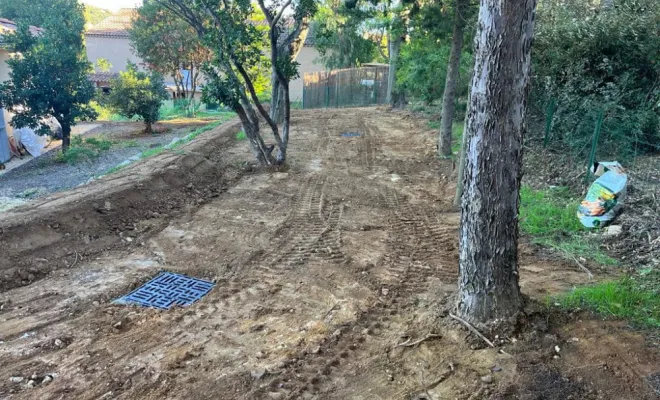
167,290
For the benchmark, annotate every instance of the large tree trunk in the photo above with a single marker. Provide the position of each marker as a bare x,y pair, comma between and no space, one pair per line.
488,256
395,47
451,82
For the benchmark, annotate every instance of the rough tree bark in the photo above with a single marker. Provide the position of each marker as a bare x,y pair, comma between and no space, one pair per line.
451,82
394,48
489,293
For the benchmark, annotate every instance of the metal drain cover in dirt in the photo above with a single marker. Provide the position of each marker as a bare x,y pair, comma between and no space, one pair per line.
167,290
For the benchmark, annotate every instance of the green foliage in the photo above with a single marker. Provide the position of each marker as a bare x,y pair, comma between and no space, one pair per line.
341,38
32,12
423,69
103,65
50,78
94,15
139,93
544,213
241,136
83,150
549,217
168,44
593,60
635,298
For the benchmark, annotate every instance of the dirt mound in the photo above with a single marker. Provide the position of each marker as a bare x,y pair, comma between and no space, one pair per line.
117,211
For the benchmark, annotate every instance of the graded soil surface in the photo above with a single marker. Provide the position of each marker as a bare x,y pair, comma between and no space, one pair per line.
334,280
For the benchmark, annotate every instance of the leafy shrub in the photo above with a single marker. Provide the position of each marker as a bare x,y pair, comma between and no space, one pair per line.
138,93
592,60
423,70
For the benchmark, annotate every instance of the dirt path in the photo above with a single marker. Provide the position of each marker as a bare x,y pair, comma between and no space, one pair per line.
320,272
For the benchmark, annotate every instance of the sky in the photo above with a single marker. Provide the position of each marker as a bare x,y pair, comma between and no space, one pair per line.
113,4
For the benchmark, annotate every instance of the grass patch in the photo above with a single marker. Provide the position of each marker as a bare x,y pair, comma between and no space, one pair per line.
456,134
241,136
549,217
635,298
83,150
159,149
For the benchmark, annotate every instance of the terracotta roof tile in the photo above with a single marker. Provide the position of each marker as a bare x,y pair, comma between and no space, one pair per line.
103,76
10,26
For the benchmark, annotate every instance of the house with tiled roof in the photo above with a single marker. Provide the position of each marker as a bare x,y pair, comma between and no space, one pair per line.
7,26
109,39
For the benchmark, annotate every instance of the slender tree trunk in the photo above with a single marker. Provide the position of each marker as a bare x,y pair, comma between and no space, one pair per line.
66,136
148,127
488,257
395,47
451,82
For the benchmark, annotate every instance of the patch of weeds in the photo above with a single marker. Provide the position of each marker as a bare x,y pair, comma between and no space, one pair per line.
29,193
241,136
99,143
634,298
125,144
457,136
152,152
549,217
83,150
113,169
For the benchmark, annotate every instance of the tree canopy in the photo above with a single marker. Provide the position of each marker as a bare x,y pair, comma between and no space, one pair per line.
237,47
140,93
50,76
169,45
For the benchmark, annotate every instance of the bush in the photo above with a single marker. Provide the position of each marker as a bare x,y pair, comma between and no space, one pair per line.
83,150
423,70
138,93
592,60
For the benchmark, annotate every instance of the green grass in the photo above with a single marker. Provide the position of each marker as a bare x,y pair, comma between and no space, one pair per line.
157,150
83,150
549,218
241,136
456,134
635,298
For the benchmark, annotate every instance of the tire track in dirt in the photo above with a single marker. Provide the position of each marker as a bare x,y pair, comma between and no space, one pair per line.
418,243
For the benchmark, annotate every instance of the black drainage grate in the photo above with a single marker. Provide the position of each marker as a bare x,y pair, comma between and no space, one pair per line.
167,290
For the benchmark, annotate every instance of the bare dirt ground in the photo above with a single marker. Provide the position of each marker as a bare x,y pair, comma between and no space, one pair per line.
327,275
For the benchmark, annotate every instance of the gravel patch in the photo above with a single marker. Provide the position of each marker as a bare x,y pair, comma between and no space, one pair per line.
43,175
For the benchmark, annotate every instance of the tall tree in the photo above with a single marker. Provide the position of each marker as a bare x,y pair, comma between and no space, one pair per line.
237,46
50,76
451,81
169,45
488,255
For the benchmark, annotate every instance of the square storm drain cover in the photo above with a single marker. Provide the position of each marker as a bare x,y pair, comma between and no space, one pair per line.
167,290
351,134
